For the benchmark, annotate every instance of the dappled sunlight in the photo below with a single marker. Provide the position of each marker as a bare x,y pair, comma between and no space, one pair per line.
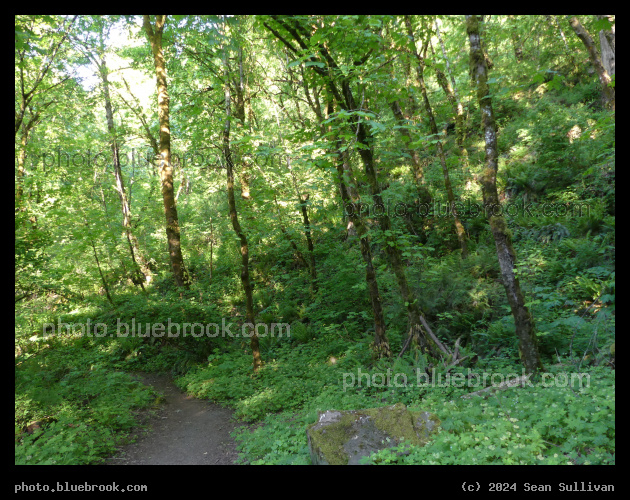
290,217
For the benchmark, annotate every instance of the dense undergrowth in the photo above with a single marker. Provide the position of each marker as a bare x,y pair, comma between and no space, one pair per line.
75,399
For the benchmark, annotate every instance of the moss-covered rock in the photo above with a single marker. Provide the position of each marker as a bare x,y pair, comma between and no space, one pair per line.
343,437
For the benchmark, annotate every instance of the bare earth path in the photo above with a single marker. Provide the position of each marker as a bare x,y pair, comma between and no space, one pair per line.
186,431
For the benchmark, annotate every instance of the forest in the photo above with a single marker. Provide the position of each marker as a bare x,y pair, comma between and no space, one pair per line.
288,215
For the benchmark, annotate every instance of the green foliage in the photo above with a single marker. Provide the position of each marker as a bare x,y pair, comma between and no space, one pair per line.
537,425
87,408
556,149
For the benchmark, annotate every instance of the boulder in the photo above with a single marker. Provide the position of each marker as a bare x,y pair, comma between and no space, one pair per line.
343,437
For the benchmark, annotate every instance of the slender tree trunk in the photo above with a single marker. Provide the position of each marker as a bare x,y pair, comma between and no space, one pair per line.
392,250
381,348
283,230
459,227
27,128
239,114
166,167
247,287
103,280
528,345
142,273
211,248
608,92
343,187
460,122
455,100
555,24
418,173
27,96
424,195
309,241
356,225
303,200
21,171
381,345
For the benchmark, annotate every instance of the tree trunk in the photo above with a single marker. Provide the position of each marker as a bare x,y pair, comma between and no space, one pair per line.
142,273
303,200
309,241
247,287
103,280
607,44
356,225
424,195
239,114
455,101
528,346
381,348
343,188
346,101
553,21
166,167
459,227
608,92
21,171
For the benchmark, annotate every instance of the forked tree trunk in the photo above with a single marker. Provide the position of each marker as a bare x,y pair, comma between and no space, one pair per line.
528,346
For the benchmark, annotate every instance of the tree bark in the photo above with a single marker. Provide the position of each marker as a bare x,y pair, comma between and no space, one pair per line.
528,345
166,167
608,92
245,281
607,44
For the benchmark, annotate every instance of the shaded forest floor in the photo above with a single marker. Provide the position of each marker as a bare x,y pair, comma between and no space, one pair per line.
185,431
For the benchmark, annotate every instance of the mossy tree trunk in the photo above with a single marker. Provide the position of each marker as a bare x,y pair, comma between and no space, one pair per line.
166,167
528,346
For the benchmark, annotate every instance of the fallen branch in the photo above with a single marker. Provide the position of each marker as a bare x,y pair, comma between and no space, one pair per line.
407,342
435,339
501,387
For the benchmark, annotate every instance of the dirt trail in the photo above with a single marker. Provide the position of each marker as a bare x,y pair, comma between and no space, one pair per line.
186,431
